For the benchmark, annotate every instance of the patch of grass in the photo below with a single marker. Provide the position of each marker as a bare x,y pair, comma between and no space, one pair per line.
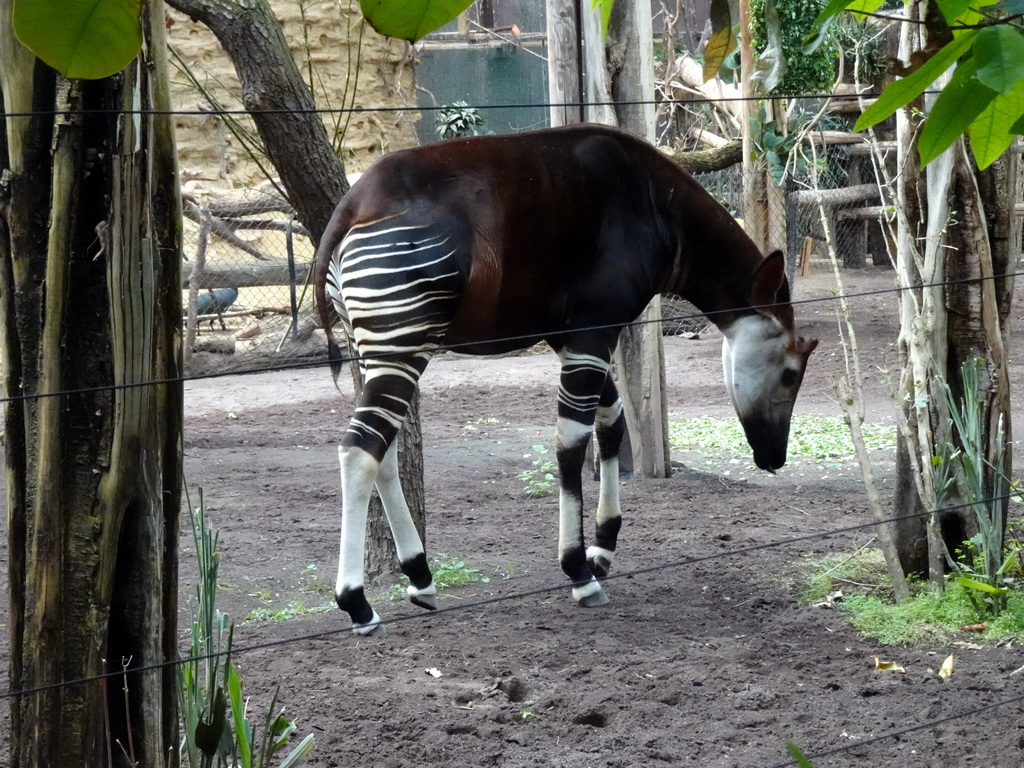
824,439
540,480
481,422
290,611
312,583
867,600
447,572
862,572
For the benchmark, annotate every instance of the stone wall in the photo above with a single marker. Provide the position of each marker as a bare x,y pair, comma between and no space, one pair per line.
326,34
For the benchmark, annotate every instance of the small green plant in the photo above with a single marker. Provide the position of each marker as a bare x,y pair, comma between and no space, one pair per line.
293,609
984,564
216,729
447,572
540,479
458,119
313,583
858,584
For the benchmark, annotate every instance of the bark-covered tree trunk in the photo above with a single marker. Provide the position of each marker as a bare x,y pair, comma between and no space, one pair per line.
91,316
955,236
281,105
314,181
640,357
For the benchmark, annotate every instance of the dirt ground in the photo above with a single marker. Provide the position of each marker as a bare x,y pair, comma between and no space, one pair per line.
708,663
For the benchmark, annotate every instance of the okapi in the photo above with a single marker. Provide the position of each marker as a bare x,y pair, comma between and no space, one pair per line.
492,244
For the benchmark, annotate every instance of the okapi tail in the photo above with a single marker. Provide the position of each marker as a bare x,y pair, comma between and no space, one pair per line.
335,356
325,279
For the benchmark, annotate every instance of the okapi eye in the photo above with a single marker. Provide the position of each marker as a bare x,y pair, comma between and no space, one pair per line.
789,377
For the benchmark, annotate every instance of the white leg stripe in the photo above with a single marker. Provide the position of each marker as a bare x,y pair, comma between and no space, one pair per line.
594,552
586,590
368,627
571,432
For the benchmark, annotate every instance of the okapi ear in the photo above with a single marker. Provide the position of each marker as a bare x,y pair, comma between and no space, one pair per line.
770,285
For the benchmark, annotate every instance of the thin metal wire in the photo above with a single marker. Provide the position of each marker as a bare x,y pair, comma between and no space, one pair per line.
212,112
346,632
456,347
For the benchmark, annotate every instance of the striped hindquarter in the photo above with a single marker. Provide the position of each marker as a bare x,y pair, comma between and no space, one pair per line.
396,288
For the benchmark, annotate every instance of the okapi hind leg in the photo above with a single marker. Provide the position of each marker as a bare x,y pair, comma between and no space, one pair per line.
365,452
610,426
408,544
358,471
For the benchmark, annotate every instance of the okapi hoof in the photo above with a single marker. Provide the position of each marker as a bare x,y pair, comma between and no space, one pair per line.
424,598
600,561
590,595
372,628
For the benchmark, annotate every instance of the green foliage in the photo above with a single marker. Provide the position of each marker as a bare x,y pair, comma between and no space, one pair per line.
990,94
778,29
447,572
216,730
87,39
722,41
985,563
867,599
540,479
604,7
776,147
930,616
797,754
458,119
864,49
822,438
863,572
410,19
293,609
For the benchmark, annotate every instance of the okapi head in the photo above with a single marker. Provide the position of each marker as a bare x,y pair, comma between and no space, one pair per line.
764,362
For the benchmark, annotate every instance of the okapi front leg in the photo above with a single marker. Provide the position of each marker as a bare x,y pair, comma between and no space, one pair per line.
578,396
610,426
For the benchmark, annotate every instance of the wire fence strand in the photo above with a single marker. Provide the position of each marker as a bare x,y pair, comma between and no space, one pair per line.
346,632
307,364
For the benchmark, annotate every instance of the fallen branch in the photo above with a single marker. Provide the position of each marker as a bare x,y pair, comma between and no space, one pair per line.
706,160
224,231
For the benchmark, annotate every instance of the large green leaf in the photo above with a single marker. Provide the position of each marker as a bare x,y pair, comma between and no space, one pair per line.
770,66
960,102
999,52
722,40
606,13
901,92
81,38
825,19
993,131
410,19
951,9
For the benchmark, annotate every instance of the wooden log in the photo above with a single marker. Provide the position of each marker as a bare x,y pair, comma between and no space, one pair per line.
707,160
865,149
840,196
270,272
867,212
224,231
726,98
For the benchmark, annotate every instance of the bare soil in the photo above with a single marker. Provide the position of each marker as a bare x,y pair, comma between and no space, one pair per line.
702,658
